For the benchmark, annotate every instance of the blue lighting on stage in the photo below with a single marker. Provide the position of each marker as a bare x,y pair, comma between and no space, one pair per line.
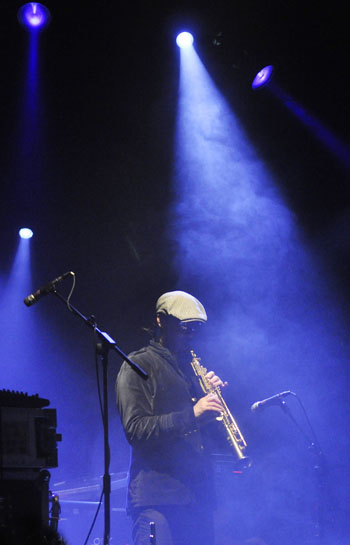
228,216
25,232
272,312
34,16
184,40
31,137
263,77
15,323
322,133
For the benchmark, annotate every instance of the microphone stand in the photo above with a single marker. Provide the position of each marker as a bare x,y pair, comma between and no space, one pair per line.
102,349
319,469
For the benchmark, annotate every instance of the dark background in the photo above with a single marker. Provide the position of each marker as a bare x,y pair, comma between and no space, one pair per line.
90,171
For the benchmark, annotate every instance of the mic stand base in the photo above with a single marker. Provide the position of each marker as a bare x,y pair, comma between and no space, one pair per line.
319,469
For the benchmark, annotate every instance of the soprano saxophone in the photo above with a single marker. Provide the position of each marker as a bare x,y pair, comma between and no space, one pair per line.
234,436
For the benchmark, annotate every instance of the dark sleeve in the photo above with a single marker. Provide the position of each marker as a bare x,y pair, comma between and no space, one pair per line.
134,400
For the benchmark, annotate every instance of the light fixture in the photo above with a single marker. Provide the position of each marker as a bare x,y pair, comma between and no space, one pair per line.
263,76
34,16
25,232
184,40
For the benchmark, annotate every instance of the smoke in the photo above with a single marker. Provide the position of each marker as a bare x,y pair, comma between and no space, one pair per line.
274,322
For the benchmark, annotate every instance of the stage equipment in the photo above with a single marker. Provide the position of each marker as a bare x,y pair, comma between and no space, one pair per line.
246,62
152,533
263,77
103,343
28,432
79,500
34,16
25,232
28,446
88,489
273,400
317,458
184,40
234,436
45,290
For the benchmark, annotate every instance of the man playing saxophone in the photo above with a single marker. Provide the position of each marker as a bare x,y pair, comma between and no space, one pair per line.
171,479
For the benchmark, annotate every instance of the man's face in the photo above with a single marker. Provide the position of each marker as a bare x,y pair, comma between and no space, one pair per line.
178,336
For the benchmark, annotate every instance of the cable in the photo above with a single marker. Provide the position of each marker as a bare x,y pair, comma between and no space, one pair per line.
316,442
95,517
92,318
71,292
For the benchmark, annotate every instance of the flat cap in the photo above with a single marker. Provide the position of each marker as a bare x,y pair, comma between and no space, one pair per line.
182,306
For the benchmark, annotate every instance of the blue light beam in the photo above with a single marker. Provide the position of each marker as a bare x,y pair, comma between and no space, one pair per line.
29,141
322,133
272,311
222,187
16,324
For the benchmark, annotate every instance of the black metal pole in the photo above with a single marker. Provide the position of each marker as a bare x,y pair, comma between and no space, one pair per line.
103,335
102,349
106,476
320,477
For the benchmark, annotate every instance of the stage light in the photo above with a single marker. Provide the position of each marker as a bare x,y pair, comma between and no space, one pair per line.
34,16
184,40
263,77
25,232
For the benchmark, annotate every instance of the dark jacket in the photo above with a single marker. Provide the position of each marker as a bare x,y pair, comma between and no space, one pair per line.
169,464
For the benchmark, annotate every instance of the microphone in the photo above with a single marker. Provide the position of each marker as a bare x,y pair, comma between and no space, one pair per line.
274,400
45,290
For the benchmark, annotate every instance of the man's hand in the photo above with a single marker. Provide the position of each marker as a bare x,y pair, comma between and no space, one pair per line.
210,402
214,380
207,404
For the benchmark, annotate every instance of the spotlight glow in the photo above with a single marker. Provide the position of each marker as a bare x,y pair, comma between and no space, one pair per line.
25,232
34,16
184,40
263,77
